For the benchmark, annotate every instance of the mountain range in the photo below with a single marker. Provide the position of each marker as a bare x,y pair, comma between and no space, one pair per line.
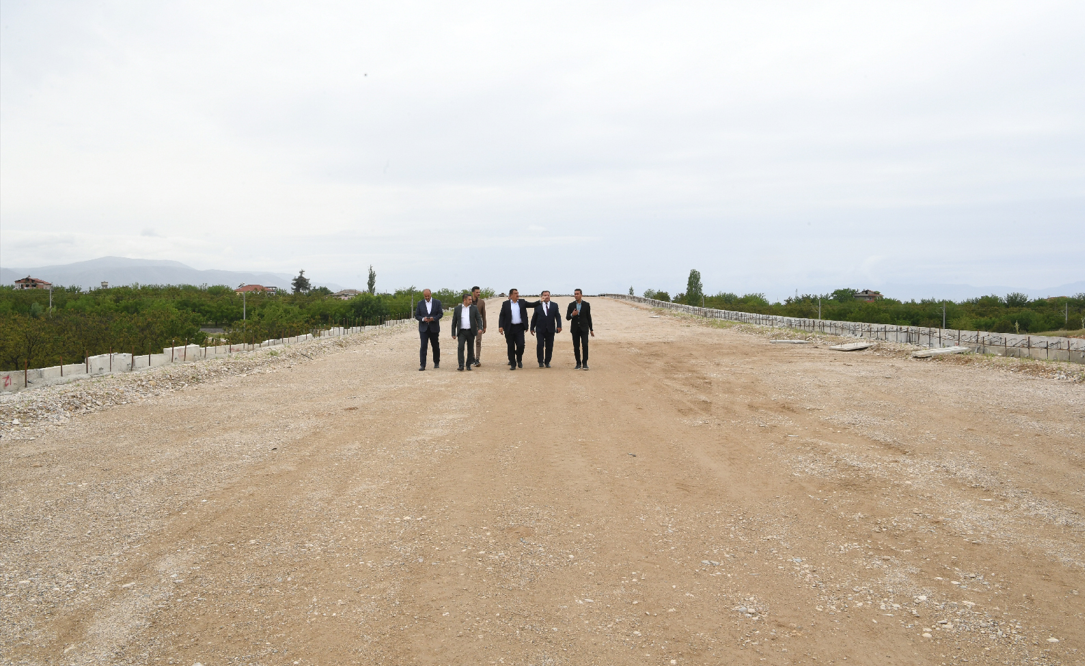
119,271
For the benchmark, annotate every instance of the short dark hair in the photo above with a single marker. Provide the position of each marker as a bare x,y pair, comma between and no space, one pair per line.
512,290
476,288
466,295
576,290
544,291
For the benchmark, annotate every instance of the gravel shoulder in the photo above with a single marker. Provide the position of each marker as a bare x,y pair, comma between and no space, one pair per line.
700,496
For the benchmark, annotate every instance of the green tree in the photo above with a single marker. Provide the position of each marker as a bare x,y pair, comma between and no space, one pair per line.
1016,299
844,295
301,283
372,283
694,288
631,293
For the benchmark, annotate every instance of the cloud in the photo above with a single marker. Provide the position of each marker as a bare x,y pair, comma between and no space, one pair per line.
771,146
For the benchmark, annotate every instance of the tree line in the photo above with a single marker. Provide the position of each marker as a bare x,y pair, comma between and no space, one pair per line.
1013,313
144,319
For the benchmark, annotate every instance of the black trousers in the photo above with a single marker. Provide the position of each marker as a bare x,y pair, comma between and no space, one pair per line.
514,338
465,338
428,338
580,336
544,345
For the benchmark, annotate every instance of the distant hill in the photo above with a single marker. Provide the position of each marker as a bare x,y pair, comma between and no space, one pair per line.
118,271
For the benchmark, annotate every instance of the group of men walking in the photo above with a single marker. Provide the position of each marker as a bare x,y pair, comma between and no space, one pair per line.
469,324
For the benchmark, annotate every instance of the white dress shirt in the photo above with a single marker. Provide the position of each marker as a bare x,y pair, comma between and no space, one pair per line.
546,308
465,318
429,306
515,305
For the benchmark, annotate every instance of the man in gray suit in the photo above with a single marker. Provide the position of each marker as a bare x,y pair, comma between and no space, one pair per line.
428,312
466,324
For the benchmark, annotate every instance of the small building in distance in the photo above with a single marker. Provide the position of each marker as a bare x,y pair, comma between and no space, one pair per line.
347,294
32,283
867,295
255,288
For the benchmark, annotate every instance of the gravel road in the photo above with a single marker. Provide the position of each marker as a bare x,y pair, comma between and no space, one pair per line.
700,496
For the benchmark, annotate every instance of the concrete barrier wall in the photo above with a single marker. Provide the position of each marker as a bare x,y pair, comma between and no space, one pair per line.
105,364
1003,344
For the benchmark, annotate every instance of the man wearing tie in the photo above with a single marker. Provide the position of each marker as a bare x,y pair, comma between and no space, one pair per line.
511,323
579,313
429,313
466,324
547,320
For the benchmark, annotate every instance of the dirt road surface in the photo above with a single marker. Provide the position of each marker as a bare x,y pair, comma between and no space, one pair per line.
700,496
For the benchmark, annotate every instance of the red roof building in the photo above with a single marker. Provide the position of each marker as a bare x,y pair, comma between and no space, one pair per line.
32,283
250,288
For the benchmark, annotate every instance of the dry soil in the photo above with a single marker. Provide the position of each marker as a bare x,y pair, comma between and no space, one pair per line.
700,496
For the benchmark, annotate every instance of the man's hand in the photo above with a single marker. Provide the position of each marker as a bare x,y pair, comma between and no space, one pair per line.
482,331
575,313
593,334
533,331
559,330
501,331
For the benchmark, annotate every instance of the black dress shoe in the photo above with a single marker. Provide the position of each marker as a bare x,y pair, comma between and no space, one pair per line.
460,368
585,366
436,365
512,366
477,364
421,368
469,367
541,365
519,364
577,366
548,365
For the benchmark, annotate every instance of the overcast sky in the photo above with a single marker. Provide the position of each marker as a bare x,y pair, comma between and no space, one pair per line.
772,146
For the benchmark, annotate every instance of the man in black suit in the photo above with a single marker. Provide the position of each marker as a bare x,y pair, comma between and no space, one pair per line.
579,313
547,320
466,324
429,313
512,323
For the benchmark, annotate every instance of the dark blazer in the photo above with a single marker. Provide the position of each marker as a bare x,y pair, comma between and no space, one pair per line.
420,312
546,322
504,321
581,322
476,320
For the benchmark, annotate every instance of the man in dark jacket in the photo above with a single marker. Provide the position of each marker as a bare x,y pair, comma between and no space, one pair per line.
429,313
477,299
512,323
547,321
466,324
579,313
